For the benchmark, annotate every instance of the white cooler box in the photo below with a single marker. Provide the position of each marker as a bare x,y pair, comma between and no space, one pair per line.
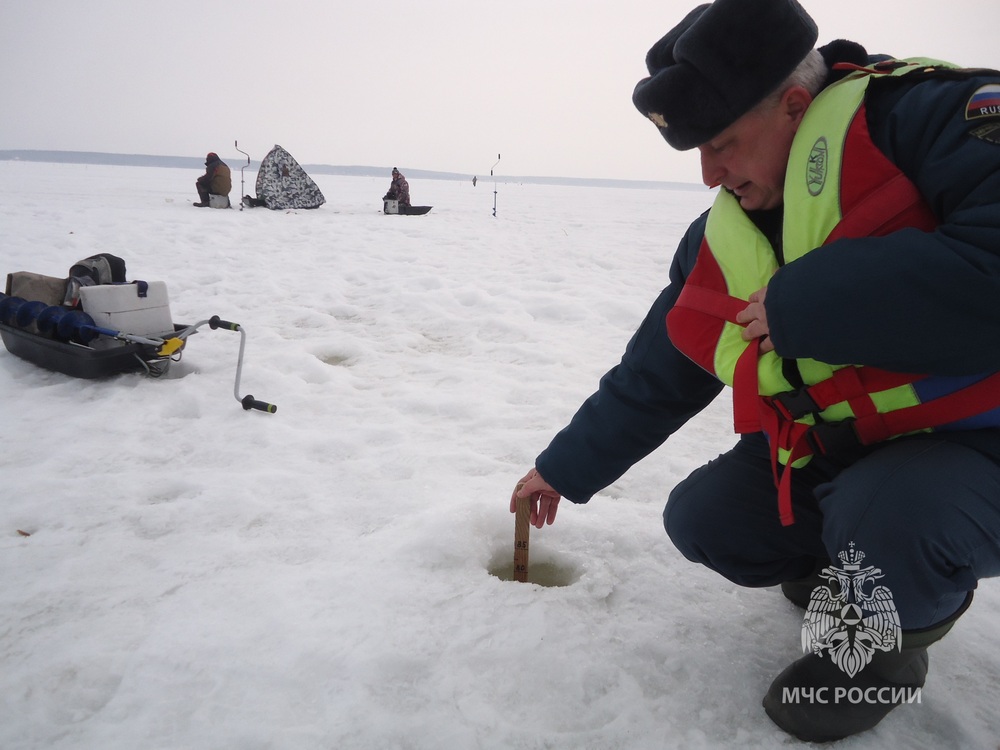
120,308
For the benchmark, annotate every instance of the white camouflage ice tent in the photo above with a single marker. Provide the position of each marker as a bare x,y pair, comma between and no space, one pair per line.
282,183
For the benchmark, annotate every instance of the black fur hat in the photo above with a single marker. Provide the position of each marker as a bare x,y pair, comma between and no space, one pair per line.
718,63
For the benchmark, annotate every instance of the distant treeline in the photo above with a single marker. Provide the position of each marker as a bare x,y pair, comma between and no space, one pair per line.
197,162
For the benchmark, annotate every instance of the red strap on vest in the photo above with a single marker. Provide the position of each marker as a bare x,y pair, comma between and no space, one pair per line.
747,411
851,382
800,449
980,397
783,432
710,302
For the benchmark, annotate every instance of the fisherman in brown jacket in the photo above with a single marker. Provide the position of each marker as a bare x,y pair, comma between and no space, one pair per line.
217,180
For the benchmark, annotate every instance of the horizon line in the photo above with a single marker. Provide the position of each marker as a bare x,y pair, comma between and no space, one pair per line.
107,158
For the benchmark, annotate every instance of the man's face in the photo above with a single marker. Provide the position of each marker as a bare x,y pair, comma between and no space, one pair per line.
750,156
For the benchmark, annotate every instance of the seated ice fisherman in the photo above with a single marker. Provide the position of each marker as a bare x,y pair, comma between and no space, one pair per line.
399,190
217,180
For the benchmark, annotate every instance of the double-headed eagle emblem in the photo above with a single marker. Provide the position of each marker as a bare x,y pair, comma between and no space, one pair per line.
852,617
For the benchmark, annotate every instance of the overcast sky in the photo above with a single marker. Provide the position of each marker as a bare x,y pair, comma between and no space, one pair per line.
435,84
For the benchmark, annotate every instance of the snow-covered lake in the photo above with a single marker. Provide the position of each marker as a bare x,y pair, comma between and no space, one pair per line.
337,574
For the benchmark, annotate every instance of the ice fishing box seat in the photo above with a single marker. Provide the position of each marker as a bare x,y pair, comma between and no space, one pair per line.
141,308
218,201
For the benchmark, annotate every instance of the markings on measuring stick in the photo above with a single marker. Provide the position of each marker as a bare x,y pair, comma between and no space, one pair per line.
522,528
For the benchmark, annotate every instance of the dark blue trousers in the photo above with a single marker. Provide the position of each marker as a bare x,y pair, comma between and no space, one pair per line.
924,509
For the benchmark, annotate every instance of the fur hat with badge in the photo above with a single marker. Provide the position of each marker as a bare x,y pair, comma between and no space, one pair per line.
718,63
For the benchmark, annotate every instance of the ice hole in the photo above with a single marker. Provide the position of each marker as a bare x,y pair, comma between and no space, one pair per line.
545,570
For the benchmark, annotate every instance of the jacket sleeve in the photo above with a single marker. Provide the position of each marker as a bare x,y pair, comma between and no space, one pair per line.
910,301
640,402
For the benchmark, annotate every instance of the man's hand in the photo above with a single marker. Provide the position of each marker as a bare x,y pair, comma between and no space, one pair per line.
544,499
754,316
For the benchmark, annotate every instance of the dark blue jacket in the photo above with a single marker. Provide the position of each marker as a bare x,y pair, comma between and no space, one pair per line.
910,302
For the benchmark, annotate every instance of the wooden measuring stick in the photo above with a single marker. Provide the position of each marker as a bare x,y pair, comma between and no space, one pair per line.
522,527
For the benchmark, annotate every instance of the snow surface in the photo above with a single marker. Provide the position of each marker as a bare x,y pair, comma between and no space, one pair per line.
337,574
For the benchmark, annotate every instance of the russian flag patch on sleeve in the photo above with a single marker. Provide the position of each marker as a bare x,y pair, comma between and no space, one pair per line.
985,102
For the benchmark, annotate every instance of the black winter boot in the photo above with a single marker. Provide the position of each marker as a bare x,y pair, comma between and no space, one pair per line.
799,590
816,701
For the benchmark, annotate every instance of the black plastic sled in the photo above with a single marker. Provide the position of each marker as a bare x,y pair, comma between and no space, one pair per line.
393,208
82,361
97,325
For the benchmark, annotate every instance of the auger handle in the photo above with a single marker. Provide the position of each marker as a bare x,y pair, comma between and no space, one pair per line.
249,402
216,322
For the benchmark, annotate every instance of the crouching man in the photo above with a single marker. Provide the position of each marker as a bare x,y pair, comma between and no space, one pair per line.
844,285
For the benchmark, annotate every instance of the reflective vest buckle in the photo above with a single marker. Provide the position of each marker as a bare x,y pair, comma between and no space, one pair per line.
794,404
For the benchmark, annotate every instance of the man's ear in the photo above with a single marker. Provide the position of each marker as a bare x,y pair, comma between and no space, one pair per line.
796,101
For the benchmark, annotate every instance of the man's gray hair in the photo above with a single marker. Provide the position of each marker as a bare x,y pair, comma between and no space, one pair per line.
810,74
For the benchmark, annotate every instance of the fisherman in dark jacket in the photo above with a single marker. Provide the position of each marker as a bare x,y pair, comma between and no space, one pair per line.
399,189
853,309
217,180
